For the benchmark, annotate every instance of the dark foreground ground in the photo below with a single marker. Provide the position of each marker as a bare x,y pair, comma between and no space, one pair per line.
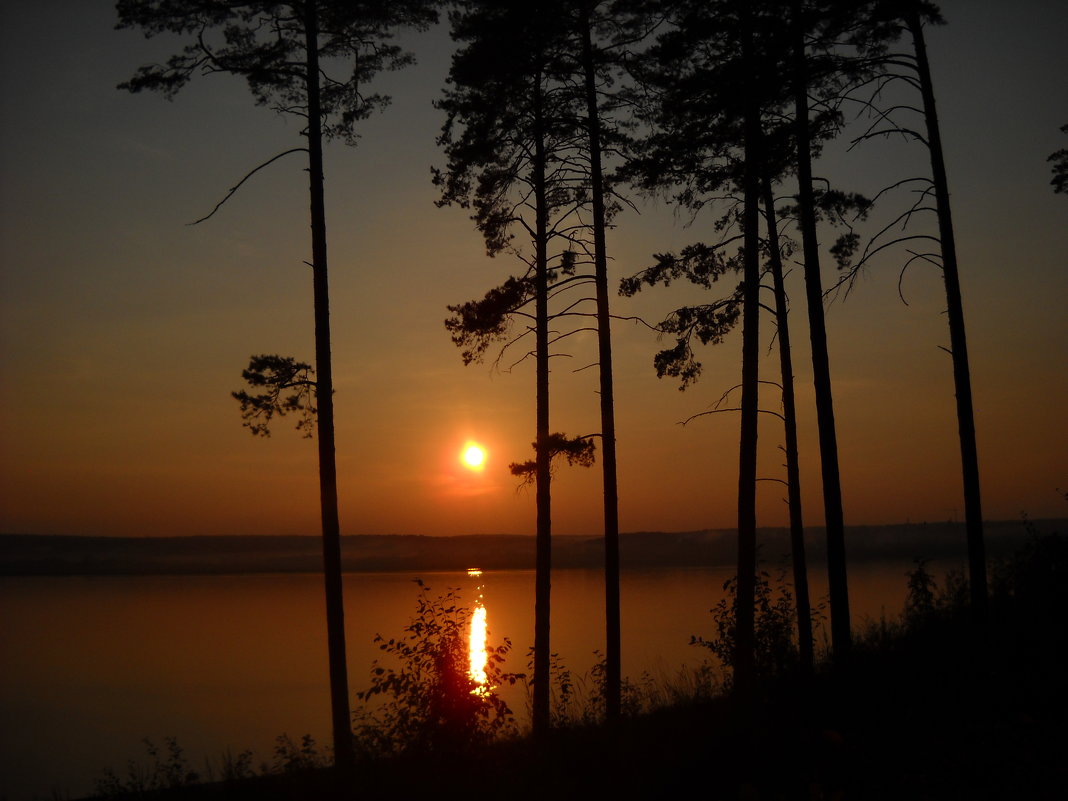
929,710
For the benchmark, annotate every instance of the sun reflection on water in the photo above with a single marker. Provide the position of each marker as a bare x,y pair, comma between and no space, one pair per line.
478,645
477,641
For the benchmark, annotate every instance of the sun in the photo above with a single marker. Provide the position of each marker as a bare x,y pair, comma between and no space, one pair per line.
473,456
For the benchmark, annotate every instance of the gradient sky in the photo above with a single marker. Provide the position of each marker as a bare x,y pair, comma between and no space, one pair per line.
123,331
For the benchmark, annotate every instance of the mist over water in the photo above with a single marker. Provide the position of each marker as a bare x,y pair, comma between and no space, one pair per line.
92,665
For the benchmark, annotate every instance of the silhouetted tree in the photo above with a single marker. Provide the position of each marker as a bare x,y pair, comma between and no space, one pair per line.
744,660
711,78
701,142
973,512
885,21
599,65
841,633
584,62
284,50
613,670
504,141
708,323
789,413
1060,168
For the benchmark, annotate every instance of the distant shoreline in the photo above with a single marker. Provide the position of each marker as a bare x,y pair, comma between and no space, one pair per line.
70,555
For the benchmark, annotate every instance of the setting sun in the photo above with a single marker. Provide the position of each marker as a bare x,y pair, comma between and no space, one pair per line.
473,456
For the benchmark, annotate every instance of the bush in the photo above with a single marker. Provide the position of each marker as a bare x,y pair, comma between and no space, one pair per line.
775,647
292,758
165,772
577,700
427,701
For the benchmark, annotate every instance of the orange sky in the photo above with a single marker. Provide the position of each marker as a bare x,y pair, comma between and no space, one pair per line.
122,331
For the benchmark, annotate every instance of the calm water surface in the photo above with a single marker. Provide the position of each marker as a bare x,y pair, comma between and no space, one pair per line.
92,665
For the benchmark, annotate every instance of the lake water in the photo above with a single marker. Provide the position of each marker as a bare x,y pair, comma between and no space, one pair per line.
92,665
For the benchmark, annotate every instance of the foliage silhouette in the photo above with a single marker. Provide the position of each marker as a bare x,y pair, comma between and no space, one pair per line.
290,757
477,324
427,702
702,265
167,770
577,450
277,374
266,44
1059,181
922,589
775,649
580,700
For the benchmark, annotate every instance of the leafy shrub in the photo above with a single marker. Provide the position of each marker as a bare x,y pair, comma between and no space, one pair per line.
236,767
165,771
427,701
775,646
921,596
1031,589
927,601
292,758
578,699
574,699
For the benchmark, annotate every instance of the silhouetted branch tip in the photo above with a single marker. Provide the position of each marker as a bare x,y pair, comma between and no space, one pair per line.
579,451
477,324
248,175
1059,181
277,374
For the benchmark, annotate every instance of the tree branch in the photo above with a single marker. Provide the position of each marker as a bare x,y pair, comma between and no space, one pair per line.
248,175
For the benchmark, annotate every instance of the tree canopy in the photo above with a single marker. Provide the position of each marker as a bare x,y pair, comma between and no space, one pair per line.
265,43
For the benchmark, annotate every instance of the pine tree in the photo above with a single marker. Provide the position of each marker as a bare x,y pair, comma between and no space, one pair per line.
282,51
504,137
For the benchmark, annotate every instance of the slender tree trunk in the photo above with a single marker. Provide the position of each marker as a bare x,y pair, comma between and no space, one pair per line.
789,413
613,670
745,634
324,390
841,634
969,453
543,560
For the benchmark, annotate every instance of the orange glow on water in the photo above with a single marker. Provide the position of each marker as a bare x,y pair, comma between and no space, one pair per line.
479,659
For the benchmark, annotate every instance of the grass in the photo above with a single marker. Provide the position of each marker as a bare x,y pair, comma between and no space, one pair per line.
928,706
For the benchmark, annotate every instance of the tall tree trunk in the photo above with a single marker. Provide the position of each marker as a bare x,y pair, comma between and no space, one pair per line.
789,413
613,670
324,392
841,634
969,454
745,633
543,560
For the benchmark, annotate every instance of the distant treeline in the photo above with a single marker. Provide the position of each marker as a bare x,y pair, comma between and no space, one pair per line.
57,555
